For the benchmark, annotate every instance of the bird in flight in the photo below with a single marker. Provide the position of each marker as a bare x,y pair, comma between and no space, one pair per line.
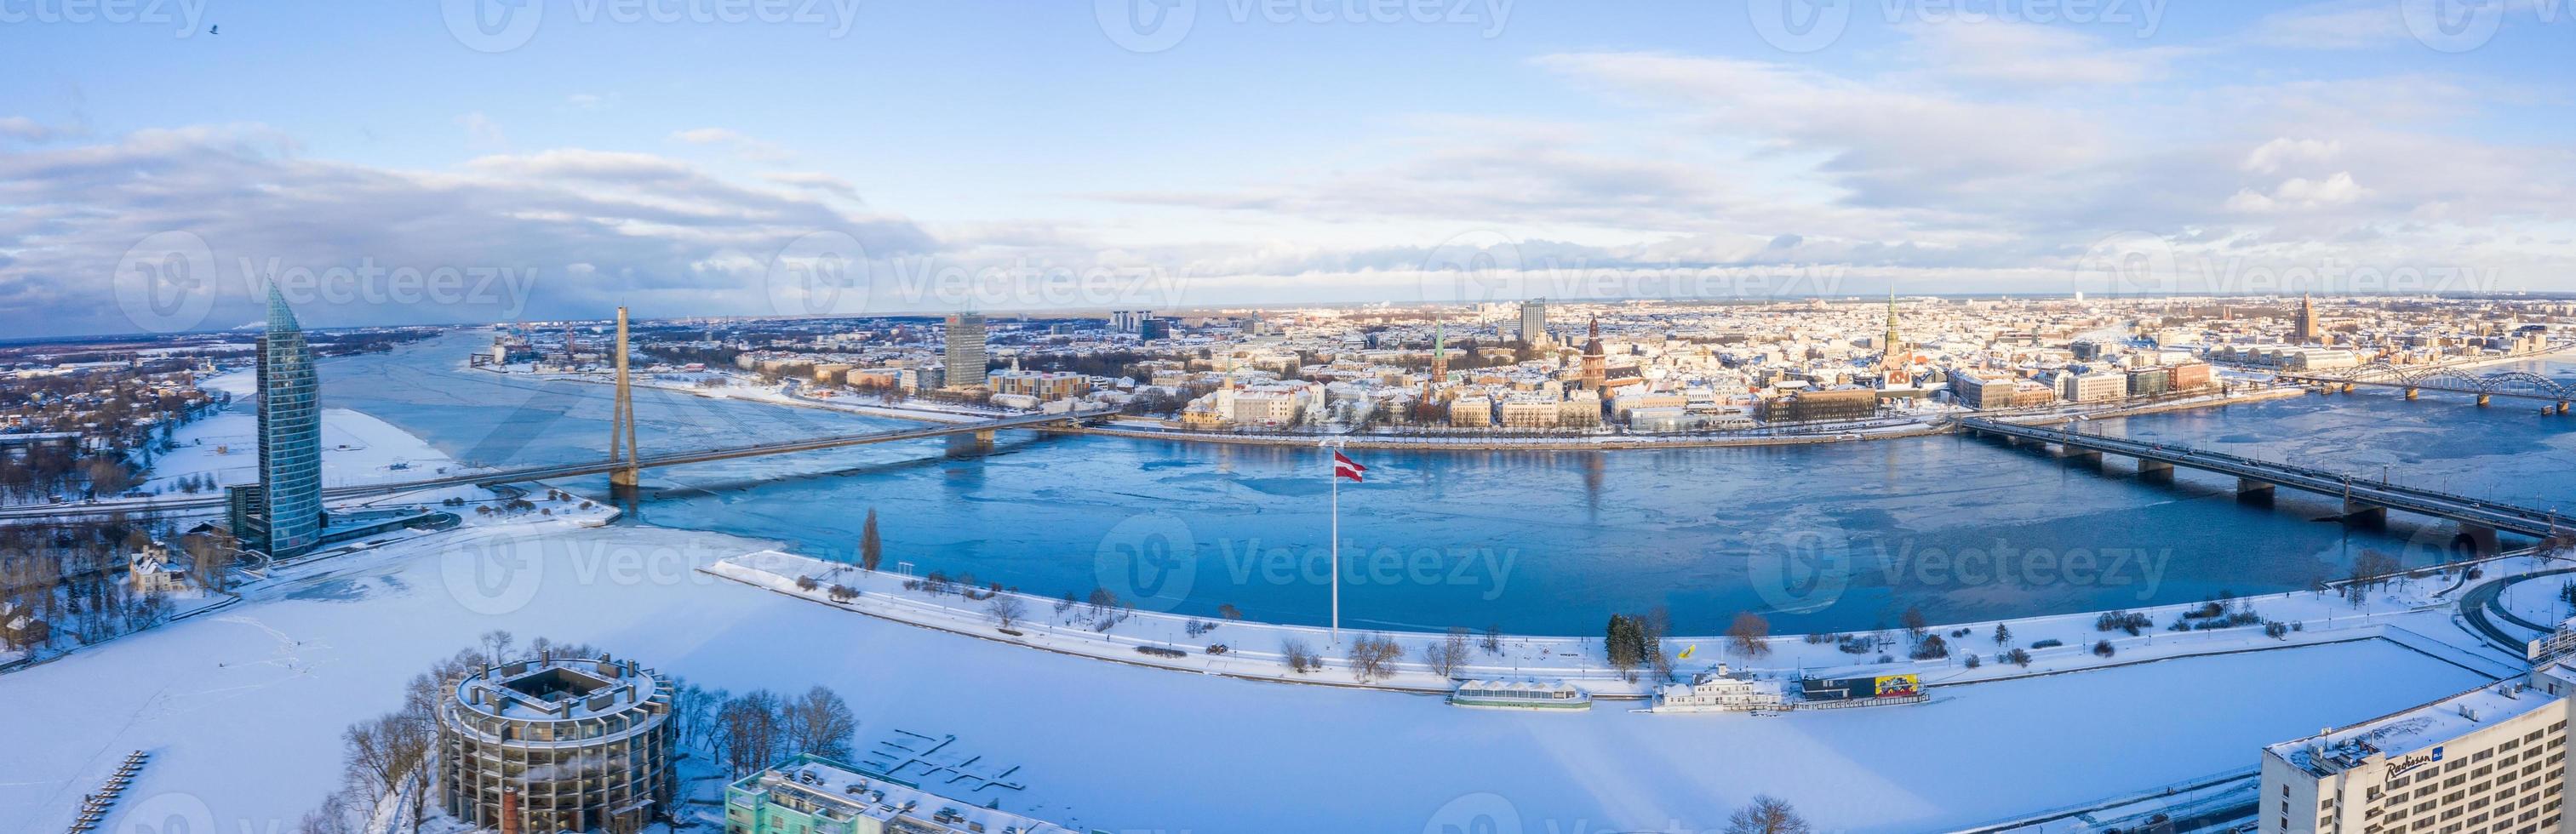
215,29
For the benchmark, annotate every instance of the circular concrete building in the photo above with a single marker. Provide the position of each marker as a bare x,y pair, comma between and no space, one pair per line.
557,744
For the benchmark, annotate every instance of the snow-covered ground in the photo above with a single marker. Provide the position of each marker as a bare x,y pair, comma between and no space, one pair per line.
356,448
2417,611
242,710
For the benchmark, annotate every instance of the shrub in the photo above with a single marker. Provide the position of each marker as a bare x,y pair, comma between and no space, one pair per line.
2049,643
1972,660
2102,647
2017,657
2130,622
1931,647
1158,651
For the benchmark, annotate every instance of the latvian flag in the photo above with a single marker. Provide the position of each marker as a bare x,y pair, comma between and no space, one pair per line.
1346,468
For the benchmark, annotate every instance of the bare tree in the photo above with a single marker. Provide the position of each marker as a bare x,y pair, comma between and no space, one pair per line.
1373,657
496,646
1767,815
1749,634
1006,610
1493,642
748,734
1449,655
819,722
1299,657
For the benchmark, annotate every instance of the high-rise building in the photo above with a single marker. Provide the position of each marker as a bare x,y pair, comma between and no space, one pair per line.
286,518
1534,321
1891,354
965,357
2492,759
1439,351
2306,323
1596,364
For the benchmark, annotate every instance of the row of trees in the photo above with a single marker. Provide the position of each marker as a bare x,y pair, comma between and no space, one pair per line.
389,760
68,581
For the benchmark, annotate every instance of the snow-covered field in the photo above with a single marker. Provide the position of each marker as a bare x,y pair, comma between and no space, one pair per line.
242,710
357,447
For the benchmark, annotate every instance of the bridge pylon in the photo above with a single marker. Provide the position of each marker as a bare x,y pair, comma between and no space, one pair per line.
621,430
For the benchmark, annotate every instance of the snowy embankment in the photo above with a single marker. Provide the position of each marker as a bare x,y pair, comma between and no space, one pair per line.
357,448
273,680
2414,613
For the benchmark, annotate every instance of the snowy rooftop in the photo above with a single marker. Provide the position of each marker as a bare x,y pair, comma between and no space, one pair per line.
817,784
2400,733
557,688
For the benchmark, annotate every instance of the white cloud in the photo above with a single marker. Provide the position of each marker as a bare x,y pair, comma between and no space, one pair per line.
2270,156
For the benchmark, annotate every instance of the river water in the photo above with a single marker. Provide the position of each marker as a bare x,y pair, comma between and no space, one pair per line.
1817,538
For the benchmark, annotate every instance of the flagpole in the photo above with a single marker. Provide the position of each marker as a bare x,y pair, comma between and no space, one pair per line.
1335,471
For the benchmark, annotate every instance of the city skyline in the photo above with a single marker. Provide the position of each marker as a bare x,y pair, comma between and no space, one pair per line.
2177,149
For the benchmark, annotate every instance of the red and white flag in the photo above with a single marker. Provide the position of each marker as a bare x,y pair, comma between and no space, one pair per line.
1346,468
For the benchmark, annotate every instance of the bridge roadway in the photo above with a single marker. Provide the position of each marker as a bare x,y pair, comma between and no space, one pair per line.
2358,495
570,470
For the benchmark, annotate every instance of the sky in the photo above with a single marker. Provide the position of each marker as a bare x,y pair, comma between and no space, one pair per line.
165,162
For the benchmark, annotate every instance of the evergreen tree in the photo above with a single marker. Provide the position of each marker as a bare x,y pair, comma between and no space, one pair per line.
871,550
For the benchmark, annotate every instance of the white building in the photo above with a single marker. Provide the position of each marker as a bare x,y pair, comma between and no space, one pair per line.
1718,692
2491,760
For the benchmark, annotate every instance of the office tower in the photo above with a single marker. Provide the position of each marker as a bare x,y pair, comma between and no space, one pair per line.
287,520
1534,321
965,358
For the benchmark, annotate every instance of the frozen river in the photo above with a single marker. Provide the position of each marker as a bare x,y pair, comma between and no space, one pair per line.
1536,542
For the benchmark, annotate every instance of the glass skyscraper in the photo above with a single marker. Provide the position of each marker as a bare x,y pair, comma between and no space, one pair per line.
288,518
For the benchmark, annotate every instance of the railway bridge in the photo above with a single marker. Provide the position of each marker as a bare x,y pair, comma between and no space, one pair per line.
2554,395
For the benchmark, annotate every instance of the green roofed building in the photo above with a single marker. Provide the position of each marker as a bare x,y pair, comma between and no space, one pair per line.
809,794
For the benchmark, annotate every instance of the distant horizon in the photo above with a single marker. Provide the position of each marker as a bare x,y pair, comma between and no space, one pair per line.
1094,313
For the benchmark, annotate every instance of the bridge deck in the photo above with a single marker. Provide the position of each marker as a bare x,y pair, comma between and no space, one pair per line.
2504,517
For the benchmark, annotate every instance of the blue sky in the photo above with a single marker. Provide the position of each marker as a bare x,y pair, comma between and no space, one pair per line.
923,157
